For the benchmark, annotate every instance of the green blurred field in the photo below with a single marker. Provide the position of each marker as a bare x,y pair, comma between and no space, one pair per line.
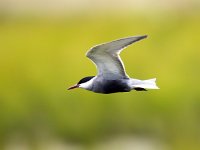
40,58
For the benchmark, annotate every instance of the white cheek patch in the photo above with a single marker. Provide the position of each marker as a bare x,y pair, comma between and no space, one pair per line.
87,85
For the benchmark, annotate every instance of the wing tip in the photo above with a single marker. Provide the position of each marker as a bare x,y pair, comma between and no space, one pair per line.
145,36
140,37
137,38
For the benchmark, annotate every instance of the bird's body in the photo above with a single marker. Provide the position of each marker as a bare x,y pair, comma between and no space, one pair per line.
111,77
102,85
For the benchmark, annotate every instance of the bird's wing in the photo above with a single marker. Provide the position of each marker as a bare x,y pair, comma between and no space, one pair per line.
107,59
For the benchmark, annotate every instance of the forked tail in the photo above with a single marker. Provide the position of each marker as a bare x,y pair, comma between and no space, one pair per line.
142,85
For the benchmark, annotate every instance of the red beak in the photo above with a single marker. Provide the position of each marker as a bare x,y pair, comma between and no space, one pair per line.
73,87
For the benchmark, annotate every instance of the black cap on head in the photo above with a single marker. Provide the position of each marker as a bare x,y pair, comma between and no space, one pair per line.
85,79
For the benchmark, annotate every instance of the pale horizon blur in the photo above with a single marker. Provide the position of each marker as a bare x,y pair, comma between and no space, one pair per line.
63,7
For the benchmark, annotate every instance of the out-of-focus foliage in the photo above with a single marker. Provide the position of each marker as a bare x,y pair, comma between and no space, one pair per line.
40,58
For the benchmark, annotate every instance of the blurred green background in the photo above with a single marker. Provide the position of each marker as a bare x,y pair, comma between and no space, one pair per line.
42,53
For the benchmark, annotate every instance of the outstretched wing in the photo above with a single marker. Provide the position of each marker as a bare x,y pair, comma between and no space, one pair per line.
107,59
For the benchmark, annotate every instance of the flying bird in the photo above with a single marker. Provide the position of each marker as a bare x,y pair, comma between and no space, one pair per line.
111,76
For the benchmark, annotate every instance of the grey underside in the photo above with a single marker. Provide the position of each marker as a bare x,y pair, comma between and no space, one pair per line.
110,86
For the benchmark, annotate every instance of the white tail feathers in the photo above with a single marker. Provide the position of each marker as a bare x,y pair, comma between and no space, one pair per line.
146,84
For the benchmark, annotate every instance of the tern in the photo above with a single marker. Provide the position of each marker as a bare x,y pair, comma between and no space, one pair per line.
111,76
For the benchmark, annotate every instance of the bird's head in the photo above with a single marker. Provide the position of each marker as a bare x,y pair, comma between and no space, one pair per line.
83,83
